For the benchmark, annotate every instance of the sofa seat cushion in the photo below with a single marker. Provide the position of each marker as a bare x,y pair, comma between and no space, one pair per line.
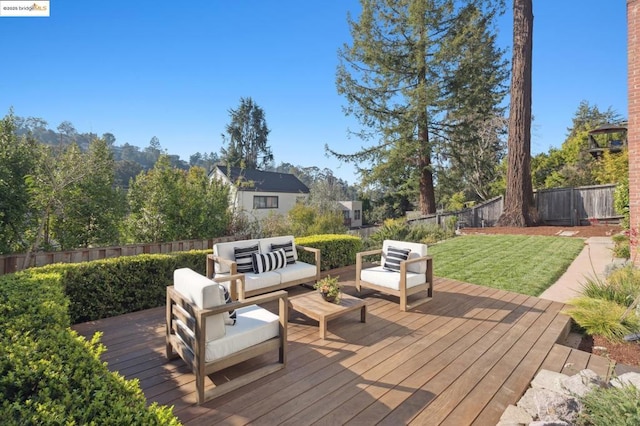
389,279
297,271
204,293
258,281
417,250
254,325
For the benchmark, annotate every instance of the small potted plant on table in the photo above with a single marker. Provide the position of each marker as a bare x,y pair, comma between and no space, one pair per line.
329,289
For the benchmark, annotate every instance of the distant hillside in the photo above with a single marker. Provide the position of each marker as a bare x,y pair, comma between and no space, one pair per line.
131,160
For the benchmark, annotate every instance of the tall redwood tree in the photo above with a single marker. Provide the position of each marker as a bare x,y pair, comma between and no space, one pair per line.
518,200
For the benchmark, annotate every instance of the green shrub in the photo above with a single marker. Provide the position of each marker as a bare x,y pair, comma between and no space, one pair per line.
398,229
337,250
621,286
621,246
110,287
50,375
429,233
599,317
391,229
611,406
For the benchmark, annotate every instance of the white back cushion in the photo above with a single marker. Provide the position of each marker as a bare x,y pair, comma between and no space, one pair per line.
265,244
226,251
417,250
203,293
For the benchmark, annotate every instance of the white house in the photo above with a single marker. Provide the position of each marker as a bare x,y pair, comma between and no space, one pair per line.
352,212
259,193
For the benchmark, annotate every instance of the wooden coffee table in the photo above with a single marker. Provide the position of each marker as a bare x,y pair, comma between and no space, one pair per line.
315,307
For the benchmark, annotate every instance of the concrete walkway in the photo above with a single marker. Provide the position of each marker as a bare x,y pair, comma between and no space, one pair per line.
590,263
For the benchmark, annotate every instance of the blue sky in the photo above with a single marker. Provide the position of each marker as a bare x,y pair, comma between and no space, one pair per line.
173,70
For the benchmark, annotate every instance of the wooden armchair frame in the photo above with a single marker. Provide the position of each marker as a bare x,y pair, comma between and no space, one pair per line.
193,352
403,292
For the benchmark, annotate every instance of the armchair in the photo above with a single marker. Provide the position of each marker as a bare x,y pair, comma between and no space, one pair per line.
197,332
405,270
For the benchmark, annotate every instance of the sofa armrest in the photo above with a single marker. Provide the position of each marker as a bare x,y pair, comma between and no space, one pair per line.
212,259
236,291
316,255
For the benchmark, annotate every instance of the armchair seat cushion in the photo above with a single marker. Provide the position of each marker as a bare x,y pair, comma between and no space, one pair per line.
254,325
390,279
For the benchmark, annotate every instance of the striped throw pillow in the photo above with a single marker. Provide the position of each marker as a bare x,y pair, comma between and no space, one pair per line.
243,258
288,249
229,317
263,262
394,257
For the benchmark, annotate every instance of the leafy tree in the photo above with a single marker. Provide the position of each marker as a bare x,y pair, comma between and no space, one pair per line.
589,117
518,200
206,160
247,137
91,209
16,162
414,70
67,129
53,176
572,164
109,139
324,194
307,220
153,151
125,170
612,167
168,204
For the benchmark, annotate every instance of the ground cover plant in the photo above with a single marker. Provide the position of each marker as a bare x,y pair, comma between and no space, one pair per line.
524,264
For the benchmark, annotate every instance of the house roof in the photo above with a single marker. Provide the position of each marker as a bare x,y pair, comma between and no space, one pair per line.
263,181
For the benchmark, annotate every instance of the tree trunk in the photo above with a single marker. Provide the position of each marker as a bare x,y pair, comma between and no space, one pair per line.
518,200
427,192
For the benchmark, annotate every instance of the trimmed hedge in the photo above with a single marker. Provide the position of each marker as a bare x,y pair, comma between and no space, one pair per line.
337,250
49,374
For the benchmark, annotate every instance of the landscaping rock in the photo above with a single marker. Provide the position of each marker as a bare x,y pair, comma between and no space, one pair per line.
550,380
550,406
582,383
515,416
626,379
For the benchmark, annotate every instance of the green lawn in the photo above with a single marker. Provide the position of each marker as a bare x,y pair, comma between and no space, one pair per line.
520,263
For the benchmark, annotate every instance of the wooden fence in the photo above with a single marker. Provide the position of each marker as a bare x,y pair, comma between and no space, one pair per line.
559,207
577,206
14,262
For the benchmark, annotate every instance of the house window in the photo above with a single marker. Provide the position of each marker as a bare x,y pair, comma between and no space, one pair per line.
356,214
265,202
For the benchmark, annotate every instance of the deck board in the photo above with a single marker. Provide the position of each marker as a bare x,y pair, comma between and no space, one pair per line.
459,359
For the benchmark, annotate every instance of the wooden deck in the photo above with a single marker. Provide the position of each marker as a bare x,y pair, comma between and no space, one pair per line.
459,359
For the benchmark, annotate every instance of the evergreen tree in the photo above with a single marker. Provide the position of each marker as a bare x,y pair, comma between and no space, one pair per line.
518,200
414,70
247,137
